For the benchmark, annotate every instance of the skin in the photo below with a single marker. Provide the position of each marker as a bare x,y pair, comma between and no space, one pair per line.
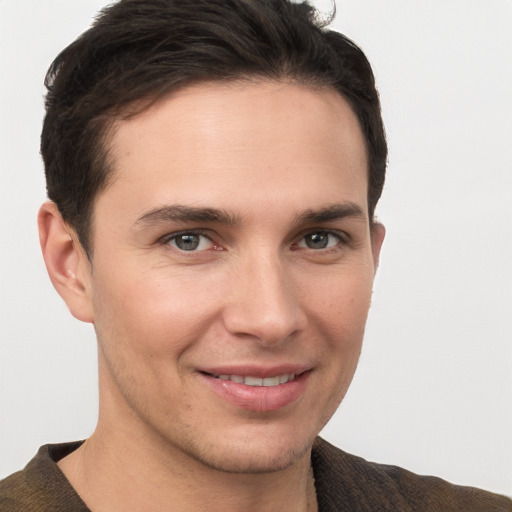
286,167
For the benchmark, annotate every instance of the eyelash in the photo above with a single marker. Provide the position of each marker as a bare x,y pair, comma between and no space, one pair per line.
343,239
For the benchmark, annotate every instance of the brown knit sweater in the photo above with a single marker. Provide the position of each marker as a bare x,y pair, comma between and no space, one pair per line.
343,483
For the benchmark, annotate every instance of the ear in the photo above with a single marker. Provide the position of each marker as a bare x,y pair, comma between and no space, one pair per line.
66,261
377,234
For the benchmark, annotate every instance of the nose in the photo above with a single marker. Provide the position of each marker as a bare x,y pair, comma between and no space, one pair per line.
264,302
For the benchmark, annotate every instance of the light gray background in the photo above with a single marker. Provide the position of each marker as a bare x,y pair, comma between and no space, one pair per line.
434,387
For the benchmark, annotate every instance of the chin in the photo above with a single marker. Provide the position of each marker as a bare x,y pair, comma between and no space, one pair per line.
260,454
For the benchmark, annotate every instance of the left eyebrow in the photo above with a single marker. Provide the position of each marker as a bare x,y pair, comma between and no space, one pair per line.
331,212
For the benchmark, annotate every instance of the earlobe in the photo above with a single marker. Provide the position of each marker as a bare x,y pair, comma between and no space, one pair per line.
66,261
378,232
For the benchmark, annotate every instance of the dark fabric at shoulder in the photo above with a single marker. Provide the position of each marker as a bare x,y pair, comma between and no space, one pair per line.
41,486
345,482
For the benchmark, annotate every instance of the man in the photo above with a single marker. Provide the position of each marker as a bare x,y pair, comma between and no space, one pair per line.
213,169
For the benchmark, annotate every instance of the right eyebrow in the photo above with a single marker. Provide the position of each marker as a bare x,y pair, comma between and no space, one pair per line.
182,213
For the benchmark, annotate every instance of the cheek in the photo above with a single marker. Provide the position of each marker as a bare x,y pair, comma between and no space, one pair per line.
340,302
149,315
339,311
342,323
144,330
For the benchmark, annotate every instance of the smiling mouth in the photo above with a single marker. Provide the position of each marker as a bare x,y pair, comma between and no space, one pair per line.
258,389
257,381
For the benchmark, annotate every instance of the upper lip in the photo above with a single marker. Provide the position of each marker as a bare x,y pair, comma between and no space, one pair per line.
253,370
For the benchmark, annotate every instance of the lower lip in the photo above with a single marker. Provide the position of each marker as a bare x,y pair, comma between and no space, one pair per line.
258,398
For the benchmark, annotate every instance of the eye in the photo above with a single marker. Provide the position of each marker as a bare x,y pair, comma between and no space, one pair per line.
320,240
190,242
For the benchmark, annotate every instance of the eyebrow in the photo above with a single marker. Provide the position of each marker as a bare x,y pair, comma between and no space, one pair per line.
331,212
181,213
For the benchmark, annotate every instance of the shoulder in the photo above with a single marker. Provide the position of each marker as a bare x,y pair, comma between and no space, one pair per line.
13,489
41,486
346,480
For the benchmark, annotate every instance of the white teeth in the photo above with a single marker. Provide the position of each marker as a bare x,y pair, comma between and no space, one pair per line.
253,381
258,381
271,381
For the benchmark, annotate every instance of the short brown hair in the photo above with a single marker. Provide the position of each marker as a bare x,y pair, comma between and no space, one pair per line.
140,50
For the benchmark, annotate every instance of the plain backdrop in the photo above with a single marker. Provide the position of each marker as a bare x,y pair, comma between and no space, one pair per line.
434,386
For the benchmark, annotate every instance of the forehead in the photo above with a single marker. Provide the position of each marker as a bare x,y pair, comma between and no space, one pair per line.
218,141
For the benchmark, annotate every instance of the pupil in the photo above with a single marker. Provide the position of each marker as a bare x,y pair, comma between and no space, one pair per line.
187,242
317,241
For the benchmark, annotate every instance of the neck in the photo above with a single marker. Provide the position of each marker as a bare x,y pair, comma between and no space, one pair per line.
144,475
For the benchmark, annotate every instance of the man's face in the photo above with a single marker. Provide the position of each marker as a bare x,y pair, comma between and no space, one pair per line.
232,272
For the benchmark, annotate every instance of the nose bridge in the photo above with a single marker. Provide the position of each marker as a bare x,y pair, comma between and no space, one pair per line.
265,304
